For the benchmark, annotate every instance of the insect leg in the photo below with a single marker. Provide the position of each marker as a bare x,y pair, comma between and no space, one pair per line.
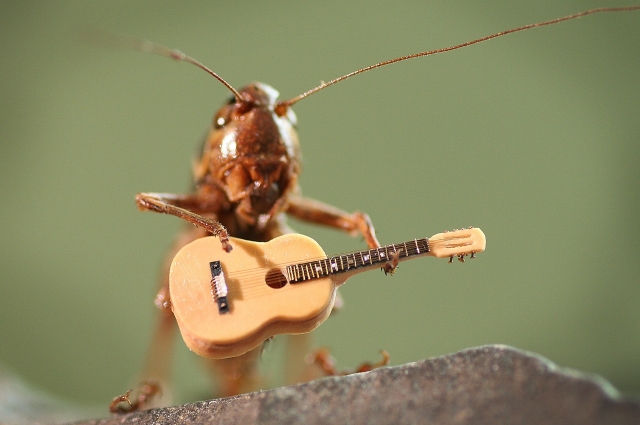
147,392
313,211
155,376
323,359
180,206
320,213
237,375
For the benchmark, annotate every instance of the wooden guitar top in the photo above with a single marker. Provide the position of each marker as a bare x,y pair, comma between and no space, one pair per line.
256,311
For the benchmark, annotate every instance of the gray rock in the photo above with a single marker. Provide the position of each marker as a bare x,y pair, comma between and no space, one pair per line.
485,385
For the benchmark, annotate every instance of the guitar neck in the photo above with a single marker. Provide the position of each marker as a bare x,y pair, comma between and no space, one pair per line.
355,261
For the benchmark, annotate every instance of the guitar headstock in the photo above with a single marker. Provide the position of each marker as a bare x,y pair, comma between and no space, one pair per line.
457,243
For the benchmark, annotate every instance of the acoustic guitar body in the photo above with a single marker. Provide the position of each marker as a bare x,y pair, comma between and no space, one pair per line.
257,310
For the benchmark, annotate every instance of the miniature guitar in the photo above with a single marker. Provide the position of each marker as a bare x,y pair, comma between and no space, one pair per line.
229,303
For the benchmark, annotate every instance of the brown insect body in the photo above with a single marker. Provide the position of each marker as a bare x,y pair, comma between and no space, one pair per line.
250,163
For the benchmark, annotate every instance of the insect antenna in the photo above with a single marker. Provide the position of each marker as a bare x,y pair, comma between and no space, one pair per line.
282,106
146,46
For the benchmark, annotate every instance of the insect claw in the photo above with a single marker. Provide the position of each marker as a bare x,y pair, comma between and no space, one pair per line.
391,266
225,244
114,408
473,254
451,259
461,258
388,269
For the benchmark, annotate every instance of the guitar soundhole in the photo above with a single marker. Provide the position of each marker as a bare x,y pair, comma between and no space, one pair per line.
275,279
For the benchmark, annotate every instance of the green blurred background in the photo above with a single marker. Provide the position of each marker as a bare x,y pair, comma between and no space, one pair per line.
532,137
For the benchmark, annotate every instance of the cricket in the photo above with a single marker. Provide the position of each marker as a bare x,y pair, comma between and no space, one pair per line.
240,275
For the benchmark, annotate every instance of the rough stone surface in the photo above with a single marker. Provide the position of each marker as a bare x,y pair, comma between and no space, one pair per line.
485,385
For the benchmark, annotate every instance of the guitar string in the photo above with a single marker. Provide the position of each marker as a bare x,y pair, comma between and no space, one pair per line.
254,280
260,271
254,285
433,243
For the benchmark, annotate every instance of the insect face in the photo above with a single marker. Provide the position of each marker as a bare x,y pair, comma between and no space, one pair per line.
251,155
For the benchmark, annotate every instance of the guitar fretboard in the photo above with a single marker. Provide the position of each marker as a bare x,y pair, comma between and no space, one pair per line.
341,263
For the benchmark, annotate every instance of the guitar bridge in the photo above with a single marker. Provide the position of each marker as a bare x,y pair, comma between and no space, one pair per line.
219,288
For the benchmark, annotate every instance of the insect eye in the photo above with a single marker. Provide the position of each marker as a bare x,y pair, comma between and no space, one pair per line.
222,117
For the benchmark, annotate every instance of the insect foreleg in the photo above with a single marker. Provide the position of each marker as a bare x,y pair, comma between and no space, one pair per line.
320,213
177,205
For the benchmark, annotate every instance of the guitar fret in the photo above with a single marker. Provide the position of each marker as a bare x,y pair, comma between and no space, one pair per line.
425,244
334,265
366,257
328,266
